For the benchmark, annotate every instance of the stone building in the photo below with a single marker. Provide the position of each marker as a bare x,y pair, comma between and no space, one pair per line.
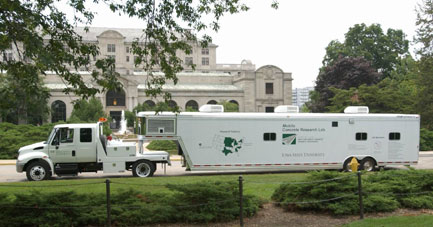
254,90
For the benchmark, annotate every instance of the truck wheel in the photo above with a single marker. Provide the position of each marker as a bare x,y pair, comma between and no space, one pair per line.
368,164
38,171
143,168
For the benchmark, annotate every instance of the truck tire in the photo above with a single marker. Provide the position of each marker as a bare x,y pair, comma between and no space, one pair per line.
368,164
37,171
143,168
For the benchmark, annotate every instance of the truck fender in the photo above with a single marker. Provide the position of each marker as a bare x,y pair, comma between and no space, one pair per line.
30,157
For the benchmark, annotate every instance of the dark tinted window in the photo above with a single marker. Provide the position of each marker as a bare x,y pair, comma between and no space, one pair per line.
335,124
269,136
85,135
361,136
394,136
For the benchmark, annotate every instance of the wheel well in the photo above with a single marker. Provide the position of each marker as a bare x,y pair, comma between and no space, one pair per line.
36,160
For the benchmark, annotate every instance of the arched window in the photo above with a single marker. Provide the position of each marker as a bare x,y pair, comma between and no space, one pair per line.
172,104
191,104
212,102
115,98
234,102
58,111
150,103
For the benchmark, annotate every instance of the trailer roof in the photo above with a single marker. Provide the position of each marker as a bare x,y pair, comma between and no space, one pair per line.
275,115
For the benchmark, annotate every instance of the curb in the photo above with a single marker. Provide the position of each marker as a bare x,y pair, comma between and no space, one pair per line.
6,163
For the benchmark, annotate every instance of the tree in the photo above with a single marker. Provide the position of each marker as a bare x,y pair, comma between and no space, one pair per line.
388,96
424,32
229,106
424,37
383,50
23,99
171,26
345,73
87,111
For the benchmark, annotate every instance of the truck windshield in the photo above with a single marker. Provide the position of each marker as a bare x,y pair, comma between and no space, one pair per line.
50,137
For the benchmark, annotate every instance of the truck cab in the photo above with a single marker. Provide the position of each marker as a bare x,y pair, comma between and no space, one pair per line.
74,148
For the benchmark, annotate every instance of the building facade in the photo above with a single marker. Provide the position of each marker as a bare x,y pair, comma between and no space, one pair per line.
253,90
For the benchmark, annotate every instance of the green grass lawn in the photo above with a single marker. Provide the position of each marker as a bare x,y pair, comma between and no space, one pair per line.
262,185
395,221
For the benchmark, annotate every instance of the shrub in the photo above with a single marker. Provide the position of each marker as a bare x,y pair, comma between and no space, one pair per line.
15,136
201,202
163,145
426,140
382,191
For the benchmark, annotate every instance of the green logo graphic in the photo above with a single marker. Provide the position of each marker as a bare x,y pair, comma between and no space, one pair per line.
289,139
231,145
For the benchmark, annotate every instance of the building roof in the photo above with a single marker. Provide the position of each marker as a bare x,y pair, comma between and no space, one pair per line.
184,74
196,87
130,34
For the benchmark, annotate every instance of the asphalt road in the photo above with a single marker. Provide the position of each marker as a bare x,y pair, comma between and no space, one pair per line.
9,174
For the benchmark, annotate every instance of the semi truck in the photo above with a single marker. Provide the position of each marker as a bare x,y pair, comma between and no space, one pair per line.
75,148
286,139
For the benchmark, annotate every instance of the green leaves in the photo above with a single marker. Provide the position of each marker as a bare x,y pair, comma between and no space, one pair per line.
383,50
44,39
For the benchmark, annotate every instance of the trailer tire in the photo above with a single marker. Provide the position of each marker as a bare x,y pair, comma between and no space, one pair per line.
346,167
143,168
38,171
368,164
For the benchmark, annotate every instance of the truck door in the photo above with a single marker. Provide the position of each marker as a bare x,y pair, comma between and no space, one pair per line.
62,148
86,145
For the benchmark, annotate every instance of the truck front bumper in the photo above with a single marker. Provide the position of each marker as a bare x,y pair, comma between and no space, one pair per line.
20,166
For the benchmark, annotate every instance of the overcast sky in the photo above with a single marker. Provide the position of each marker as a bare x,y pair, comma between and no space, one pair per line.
293,37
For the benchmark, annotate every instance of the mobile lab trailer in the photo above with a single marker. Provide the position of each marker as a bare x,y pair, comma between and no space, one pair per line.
74,148
214,140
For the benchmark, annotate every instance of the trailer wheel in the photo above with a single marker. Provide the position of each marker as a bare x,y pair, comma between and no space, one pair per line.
346,166
143,168
38,171
368,164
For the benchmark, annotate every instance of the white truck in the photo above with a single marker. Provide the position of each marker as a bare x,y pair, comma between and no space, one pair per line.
286,140
74,148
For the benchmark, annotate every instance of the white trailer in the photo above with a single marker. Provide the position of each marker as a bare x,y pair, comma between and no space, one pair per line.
74,148
214,140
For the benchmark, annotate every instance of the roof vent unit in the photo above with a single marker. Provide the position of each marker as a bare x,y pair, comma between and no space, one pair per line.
356,110
212,108
286,109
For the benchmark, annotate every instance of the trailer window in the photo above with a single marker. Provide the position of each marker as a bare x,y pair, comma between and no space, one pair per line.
269,136
85,135
335,124
361,136
394,136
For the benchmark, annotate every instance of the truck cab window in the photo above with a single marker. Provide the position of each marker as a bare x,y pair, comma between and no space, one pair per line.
85,135
66,135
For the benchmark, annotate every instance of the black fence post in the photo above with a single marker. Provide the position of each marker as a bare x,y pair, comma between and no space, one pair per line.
241,198
361,205
107,184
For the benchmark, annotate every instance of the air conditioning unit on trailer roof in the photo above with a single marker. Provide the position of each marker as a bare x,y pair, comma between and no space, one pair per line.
356,110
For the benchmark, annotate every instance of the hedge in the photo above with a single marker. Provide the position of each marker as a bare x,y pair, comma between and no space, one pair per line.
190,203
383,191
